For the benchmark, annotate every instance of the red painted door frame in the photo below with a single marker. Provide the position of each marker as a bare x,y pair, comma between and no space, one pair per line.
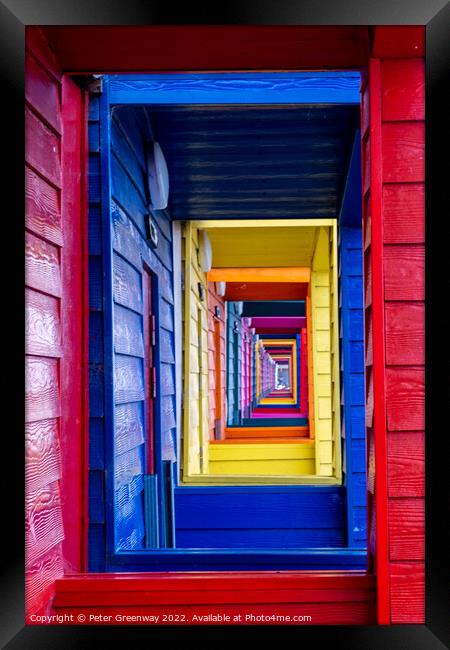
262,48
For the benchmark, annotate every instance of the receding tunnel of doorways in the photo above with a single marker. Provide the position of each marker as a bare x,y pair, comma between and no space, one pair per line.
248,372
258,329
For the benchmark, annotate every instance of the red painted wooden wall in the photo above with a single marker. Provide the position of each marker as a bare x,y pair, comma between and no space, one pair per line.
55,339
216,411
394,219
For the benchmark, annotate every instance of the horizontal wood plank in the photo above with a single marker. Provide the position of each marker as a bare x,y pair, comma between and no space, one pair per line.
403,152
42,266
42,324
42,148
407,581
405,399
42,208
404,213
43,93
404,272
403,90
405,333
406,464
41,389
406,529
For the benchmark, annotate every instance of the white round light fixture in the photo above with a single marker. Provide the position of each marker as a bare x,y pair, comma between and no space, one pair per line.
158,177
204,252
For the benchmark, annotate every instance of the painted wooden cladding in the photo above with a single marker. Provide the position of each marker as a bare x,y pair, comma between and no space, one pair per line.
352,382
196,334
260,516
118,418
325,373
216,363
54,245
402,84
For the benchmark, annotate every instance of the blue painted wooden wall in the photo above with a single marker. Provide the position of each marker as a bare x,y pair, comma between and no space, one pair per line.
260,516
352,383
117,347
96,532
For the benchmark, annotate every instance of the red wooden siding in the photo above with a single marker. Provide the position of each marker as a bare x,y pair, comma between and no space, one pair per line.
394,315
54,334
329,598
403,112
216,381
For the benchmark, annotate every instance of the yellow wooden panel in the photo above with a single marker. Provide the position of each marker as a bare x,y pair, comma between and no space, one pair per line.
321,317
255,451
323,343
324,408
265,467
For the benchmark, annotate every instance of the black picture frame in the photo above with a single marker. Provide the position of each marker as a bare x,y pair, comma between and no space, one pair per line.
435,14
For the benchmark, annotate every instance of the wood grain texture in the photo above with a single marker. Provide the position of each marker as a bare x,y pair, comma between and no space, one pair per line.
43,241
403,152
40,579
42,149
42,454
43,522
406,529
41,389
403,90
42,324
403,213
404,271
407,592
42,266
405,334
406,464
405,399
42,92
42,208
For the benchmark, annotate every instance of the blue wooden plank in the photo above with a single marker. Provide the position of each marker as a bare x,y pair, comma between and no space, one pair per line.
97,548
237,88
356,389
128,379
93,136
96,337
248,510
128,335
166,346
96,443
129,430
94,108
260,538
247,559
127,285
95,283
356,349
94,230
130,164
128,476
126,194
135,126
167,379
168,421
130,528
96,497
94,180
166,315
96,390
126,238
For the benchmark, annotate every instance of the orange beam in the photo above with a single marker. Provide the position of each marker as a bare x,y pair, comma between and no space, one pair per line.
300,274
